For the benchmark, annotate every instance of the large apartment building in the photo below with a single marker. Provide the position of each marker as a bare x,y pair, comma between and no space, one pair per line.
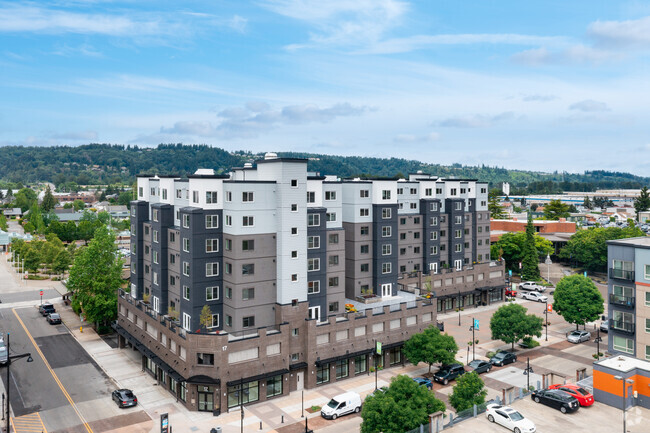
239,282
629,296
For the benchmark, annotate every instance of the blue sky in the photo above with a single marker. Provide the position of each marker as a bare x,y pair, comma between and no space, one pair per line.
539,84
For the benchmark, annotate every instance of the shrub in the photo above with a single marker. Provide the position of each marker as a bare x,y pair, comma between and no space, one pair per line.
529,342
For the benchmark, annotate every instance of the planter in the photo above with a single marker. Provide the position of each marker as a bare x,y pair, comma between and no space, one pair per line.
368,299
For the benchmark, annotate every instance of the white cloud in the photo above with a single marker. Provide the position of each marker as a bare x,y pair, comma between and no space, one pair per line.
410,138
78,135
84,49
589,105
476,120
574,54
621,34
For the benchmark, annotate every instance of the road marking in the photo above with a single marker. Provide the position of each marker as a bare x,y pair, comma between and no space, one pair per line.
56,378
31,423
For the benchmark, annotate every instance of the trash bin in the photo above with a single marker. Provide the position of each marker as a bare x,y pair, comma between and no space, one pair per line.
215,430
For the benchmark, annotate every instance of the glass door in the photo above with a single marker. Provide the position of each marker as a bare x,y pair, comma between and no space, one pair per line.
206,402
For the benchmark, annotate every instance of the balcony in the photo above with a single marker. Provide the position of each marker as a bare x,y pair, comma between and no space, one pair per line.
621,274
622,326
622,301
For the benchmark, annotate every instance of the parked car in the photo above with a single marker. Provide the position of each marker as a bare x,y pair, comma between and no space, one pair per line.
503,358
46,309
124,398
342,404
556,399
480,366
584,397
604,326
509,418
534,296
424,381
511,293
579,336
4,355
448,372
531,286
54,318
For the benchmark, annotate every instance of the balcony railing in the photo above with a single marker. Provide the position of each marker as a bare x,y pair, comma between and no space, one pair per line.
621,325
623,301
621,274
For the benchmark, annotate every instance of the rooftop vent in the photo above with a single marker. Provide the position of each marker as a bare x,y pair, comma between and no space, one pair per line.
248,165
271,155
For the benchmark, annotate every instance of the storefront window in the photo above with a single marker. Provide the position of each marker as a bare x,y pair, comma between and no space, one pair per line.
183,391
342,369
360,364
495,295
274,386
439,305
323,373
172,385
395,356
470,299
250,392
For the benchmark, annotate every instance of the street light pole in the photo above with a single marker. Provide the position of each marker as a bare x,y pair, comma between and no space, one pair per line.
546,313
473,340
598,340
548,268
625,382
9,359
527,371
459,308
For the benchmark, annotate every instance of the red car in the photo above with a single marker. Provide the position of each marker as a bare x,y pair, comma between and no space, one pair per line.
583,396
511,293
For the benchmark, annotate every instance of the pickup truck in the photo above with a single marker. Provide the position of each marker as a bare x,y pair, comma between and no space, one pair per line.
531,286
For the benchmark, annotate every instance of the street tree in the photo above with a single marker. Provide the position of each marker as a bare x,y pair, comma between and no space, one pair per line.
405,405
589,247
62,262
510,323
578,300
555,210
95,277
468,391
510,247
642,202
530,258
431,346
32,257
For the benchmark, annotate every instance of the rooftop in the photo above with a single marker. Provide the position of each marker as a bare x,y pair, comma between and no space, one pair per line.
643,242
624,363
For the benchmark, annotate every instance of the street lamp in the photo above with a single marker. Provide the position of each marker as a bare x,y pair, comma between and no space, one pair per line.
548,268
459,308
598,341
527,372
10,358
624,381
546,313
471,328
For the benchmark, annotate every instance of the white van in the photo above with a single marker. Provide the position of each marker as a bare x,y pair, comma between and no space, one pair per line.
342,404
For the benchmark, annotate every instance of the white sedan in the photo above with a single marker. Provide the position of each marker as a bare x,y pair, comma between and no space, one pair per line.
509,418
534,296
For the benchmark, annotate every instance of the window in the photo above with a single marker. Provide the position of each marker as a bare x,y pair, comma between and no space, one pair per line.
210,197
416,235
186,269
385,194
228,196
179,193
248,221
333,282
155,257
155,236
215,321
322,373
466,231
414,205
416,220
172,239
294,183
313,242
443,247
402,221
227,243
458,219
155,278
313,287
402,251
386,268
385,231
186,293
294,230
428,192
365,267
248,269
211,245
248,392
313,220
433,207
458,248
647,272
248,321
438,190
248,245
333,307
211,269
483,190
365,249
140,192
212,293
330,216
187,321
334,260
458,234
228,320
294,254
360,365
330,195
364,230
647,299
186,245
400,191
342,368
186,221
453,191
247,196
211,221
416,250
247,294
433,236
228,293
647,325
334,239
172,280
153,191
229,220
386,213
313,264
294,277
647,353
479,229
402,236
294,207
227,267
433,250
274,386
459,205
364,212
624,344
155,215
386,250
295,357
311,197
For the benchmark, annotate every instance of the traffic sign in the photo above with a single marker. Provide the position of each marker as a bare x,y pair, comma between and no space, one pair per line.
41,293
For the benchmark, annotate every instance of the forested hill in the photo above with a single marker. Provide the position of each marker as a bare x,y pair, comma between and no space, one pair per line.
111,164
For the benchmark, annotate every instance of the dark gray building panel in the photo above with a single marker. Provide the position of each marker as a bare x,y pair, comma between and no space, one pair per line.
456,221
430,210
318,299
162,220
139,215
379,240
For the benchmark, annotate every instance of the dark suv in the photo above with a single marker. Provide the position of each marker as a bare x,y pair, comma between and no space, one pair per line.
448,372
556,399
503,358
46,309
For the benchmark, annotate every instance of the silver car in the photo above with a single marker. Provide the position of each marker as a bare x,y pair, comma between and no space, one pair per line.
534,296
579,336
4,355
531,285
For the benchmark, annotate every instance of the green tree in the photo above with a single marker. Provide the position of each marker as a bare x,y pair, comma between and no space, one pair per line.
556,210
530,256
642,202
510,323
95,277
589,247
205,319
25,199
578,300
468,391
32,258
49,201
404,406
510,247
62,262
3,222
495,208
78,205
587,203
430,346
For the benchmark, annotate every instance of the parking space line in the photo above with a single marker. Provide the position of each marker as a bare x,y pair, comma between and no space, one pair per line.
56,378
31,423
